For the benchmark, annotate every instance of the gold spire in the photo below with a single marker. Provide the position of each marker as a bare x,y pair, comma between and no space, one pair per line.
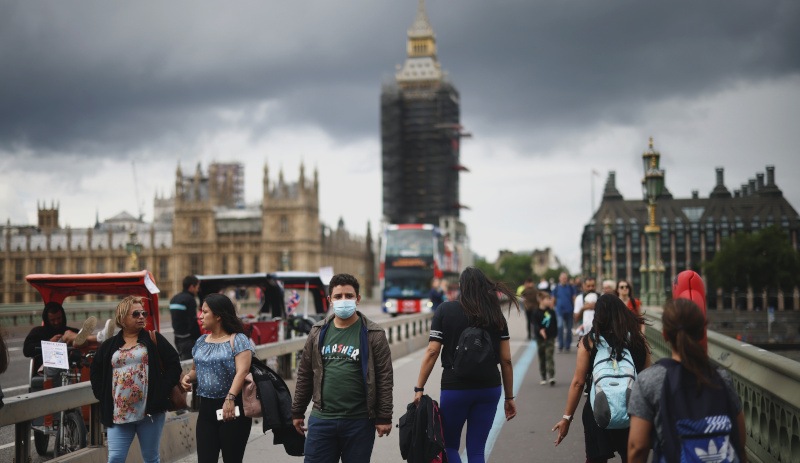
651,143
421,64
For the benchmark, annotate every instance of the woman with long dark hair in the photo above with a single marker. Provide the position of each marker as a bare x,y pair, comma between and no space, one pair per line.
687,378
221,361
624,291
470,400
619,329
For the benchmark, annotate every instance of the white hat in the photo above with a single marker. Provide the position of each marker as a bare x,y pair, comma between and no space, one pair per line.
590,298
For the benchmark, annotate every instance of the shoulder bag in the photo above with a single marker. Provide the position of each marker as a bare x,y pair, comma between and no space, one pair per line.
177,396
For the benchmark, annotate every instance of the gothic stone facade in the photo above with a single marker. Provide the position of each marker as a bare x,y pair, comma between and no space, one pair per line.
200,230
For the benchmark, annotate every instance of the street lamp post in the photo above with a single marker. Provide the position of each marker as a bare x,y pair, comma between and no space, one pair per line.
607,245
134,248
652,186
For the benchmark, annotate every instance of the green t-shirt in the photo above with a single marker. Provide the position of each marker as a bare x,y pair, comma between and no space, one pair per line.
343,394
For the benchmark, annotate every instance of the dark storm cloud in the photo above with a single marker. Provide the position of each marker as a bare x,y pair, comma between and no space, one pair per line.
100,78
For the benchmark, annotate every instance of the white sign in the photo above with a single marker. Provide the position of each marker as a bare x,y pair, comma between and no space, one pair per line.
54,355
325,274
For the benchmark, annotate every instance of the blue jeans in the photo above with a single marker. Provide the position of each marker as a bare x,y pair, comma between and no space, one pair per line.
148,429
329,439
477,408
565,330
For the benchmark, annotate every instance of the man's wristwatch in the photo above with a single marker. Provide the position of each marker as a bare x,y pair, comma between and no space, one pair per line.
418,389
567,417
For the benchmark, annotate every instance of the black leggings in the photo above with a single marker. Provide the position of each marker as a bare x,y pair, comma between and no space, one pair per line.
228,436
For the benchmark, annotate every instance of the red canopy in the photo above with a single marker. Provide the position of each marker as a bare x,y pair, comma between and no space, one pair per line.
56,288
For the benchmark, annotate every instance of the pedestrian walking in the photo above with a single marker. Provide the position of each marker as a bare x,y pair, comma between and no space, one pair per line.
221,361
471,396
183,309
625,292
564,294
545,326
132,387
346,369
678,400
616,328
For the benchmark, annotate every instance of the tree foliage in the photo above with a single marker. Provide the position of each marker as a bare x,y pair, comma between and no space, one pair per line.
764,260
512,269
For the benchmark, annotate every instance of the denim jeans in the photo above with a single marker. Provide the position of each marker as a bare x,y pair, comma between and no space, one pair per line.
329,439
565,330
148,429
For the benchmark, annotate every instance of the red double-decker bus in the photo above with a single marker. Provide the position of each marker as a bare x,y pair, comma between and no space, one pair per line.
412,255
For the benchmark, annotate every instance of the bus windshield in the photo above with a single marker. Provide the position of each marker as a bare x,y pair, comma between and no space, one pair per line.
403,283
409,242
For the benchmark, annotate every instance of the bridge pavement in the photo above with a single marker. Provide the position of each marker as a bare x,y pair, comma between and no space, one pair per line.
526,438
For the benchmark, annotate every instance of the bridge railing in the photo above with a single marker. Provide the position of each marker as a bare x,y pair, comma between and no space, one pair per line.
767,384
405,334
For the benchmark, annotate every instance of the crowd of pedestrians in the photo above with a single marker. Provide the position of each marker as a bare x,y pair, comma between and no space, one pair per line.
345,369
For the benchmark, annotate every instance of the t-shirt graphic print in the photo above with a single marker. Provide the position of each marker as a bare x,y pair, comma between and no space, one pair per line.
343,389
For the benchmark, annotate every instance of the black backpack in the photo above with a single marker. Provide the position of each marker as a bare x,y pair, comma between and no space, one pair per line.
475,356
421,435
697,425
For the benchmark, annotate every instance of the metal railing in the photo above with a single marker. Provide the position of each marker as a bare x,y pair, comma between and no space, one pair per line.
767,385
23,409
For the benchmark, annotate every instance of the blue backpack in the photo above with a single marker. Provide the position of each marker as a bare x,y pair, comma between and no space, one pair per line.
613,374
697,424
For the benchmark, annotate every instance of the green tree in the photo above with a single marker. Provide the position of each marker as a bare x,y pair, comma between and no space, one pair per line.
488,269
764,260
514,269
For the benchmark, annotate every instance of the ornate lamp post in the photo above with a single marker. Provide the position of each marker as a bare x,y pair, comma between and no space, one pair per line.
652,186
607,245
134,248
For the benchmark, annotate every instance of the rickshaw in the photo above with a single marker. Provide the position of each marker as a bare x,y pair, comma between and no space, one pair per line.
286,296
56,288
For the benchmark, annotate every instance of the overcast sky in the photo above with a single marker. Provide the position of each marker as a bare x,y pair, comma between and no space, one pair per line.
550,90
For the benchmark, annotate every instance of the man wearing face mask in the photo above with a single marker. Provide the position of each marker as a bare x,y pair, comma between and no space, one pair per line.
346,369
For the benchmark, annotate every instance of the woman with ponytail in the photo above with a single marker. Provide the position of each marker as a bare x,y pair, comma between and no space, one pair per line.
685,388
470,400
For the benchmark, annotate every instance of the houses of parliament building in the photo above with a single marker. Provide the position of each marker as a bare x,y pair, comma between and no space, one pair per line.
204,229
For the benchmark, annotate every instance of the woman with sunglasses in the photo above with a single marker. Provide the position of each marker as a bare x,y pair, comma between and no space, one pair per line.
624,291
131,385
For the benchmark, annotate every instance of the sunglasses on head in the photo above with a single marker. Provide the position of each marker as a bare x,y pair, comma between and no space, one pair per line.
139,313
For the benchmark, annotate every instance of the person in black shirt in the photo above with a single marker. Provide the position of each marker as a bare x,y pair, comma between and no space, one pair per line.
472,401
183,308
545,327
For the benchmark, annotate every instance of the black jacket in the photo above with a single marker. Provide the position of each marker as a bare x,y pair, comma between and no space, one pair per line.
159,384
276,408
183,309
421,434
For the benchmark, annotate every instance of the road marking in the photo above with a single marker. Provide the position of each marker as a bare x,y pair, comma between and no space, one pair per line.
14,349
520,369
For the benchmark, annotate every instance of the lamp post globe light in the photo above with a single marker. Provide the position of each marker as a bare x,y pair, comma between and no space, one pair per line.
652,186
134,248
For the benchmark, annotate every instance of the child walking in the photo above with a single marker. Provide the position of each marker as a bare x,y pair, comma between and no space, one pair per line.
546,329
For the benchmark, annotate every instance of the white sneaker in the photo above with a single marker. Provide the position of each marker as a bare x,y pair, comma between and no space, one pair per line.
552,381
107,331
543,382
86,330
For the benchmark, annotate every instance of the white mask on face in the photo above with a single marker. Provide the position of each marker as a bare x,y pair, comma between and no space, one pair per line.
344,308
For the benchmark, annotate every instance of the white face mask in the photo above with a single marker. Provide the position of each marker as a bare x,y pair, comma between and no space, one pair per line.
344,308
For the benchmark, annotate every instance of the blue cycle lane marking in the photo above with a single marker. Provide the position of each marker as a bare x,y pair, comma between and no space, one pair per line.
520,369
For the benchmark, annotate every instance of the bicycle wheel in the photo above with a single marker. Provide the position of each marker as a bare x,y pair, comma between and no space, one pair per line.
41,440
74,434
